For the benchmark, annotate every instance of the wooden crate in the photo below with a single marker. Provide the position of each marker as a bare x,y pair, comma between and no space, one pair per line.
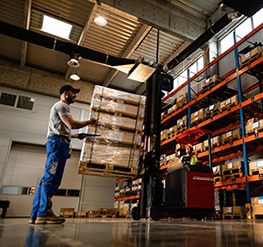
171,131
233,167
212,110
212,81
254,127
231,135
67,212
234,212
199,147
182,100
182,122
251,56
216,141
256,167
228,103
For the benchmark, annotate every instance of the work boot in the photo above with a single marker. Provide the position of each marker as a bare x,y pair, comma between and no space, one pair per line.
50,219
32,220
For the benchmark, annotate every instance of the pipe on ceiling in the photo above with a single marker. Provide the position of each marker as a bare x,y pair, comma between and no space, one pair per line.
62,46
201,40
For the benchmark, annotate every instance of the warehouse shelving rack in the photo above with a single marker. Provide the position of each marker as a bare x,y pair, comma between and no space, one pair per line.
166,146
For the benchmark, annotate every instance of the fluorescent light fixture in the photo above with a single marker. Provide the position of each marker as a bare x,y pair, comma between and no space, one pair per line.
100,21
56,27
74,77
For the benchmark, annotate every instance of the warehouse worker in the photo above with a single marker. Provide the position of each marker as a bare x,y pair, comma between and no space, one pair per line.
59,136
189,153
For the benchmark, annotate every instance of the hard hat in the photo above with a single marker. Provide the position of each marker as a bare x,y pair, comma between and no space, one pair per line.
189,145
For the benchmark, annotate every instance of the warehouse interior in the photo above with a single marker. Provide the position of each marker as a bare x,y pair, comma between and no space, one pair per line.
217,78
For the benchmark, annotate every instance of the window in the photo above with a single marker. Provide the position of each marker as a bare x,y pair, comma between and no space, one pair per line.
8,99
73,193
227,42
15,190
257,18
56,27
25,103
10,190
61,192
243,29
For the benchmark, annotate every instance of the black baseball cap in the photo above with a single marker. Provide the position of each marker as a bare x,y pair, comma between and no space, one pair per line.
68,87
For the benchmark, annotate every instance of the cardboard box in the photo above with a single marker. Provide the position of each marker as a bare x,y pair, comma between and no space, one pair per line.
119,122
233,165
232,134
257,200
182,122
163,135
109,93
255,164
182,99
205,145
212,108
212,80
97,153
216,139
124,137
198,115
171,130
110,106
199,147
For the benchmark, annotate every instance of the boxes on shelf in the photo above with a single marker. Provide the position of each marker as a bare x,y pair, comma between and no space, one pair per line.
178,149
233,165
163,159
256,167
251,56
163,115
211,110
229,103
257,205
199,147
182,100
163,135
212,81
254,126
182,123
216,141
231,135
205,144
171,110
171,131
197,116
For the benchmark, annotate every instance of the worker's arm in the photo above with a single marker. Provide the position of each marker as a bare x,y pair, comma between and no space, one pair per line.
75,124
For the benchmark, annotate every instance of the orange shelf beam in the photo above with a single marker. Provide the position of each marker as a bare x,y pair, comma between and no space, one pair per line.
127,198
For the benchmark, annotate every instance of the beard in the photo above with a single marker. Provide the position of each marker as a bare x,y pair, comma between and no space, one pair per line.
70,100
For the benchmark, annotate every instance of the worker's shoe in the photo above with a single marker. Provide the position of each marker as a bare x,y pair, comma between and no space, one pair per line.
50,219
32,220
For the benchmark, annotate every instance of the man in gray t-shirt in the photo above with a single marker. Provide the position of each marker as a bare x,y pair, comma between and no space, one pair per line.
59,136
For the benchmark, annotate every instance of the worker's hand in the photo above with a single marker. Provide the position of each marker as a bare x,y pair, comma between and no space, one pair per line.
93,121
81,137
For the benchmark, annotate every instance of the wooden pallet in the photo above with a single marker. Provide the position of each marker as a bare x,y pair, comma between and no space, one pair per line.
209,86
228,106
232,171
213,145
256,171
233,176
254,131
180,104
217,174
196,122
217,179
210,115
106,170
257,216
249,61
233,216
231,139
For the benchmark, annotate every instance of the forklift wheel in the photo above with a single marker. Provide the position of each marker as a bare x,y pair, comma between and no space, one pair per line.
135,213
155,217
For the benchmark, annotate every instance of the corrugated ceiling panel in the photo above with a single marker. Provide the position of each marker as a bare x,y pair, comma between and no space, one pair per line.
12,12
10,48
92,72
47,59
168,44
74,11
116,35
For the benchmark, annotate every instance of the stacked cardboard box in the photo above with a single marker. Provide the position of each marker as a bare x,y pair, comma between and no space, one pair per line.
119,123
257,205
231,135
251,56
212,81
229,103
254,126
197,116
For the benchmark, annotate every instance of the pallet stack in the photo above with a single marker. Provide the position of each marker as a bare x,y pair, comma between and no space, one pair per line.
254,126
233,170
197,117
227,104
217,173
251,56
211,111
257,206
116,152
256,167
211,82
231,135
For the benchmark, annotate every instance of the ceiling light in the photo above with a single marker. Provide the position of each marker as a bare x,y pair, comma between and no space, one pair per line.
74,77
56,27
73,63
100,21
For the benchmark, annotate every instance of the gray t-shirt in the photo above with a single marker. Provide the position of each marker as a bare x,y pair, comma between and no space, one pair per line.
56,125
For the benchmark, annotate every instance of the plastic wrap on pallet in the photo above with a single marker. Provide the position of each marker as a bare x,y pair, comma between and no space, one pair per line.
110,106
109,93
98,153
108,120
112,135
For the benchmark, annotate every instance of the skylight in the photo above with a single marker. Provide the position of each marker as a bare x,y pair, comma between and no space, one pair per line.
56,27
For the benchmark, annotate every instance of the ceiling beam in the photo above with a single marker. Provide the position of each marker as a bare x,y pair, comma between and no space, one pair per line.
128,52
163,15
27,15
85,29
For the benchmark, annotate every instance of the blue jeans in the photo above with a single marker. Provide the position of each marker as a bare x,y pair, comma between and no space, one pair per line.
57,154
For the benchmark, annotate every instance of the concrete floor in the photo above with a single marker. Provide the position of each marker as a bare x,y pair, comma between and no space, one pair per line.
126,232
